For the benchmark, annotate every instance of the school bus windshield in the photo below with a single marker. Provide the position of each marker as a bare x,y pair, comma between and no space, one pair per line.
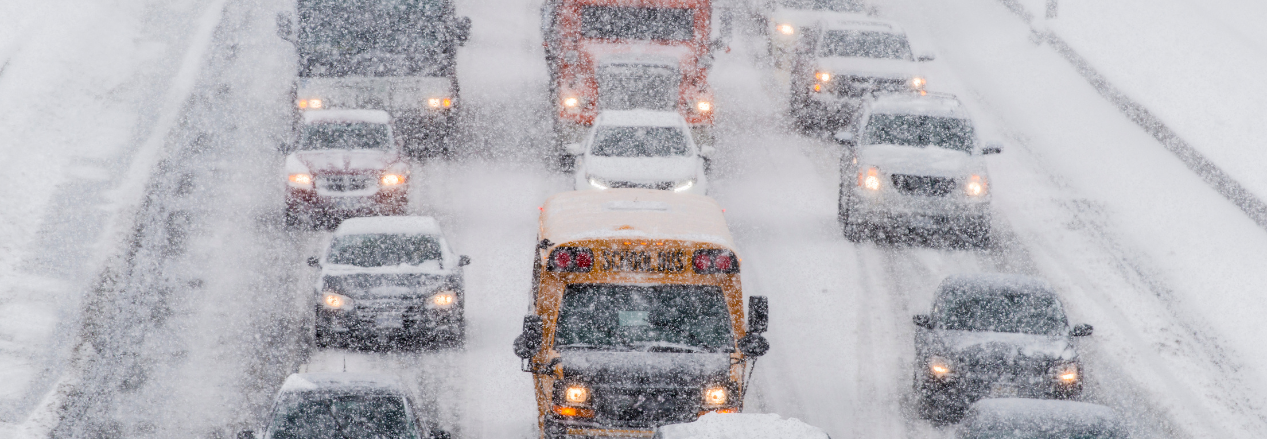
661,318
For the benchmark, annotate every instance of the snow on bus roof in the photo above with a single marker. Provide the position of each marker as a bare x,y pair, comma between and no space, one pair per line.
367,116
641,118
412,225
633,213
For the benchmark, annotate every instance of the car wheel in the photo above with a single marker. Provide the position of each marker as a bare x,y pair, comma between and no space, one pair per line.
854,232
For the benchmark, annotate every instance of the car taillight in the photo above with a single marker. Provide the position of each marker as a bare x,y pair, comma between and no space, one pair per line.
715,261
571,259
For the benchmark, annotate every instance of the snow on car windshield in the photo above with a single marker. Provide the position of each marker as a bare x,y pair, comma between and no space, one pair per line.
631,23
865,44
1002,311
640,142
315,415
685,318
345,136
383,250
916,130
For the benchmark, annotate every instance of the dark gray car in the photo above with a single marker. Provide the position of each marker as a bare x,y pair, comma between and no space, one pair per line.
345,405
1019,418
994,335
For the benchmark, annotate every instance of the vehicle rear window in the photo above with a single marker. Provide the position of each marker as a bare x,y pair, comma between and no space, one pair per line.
1002,311
662,318
865,44
320,416
614,141
633,23
381,250
351,136
916,130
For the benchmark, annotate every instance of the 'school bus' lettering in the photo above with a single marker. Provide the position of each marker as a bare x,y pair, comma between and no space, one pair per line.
633,260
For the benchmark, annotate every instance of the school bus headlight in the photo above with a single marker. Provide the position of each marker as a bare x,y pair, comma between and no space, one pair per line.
576,394
716,395
443,299
310,104
786,29
918,83
333,300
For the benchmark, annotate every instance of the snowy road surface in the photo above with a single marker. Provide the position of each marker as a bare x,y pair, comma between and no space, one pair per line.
192,328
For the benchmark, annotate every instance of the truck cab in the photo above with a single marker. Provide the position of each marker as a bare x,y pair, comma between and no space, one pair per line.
393,55
622,55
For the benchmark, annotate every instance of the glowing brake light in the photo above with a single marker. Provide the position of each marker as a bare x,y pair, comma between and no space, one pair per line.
571,259
715,261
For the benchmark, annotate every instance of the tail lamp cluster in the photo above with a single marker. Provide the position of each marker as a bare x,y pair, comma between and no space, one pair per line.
715,261
571,259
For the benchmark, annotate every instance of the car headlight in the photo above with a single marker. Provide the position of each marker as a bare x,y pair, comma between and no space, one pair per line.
443,299
869,179
976,186
332,300
571,102
600,184
823,76
918,83
310,104
300,180
939,367
716,395
1066,373
391,179
684,185
786,29
439,103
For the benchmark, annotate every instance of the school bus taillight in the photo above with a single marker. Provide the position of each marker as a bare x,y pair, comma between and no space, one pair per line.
715,261
571,259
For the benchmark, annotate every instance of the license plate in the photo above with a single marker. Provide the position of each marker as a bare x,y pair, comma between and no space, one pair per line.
389,321
1004,390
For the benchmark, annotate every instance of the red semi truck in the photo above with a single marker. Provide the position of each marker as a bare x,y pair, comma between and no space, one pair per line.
627,54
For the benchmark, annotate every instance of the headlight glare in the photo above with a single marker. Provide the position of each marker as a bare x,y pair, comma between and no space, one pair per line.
715,396
704,106
869,179
441,102
443,299
333,300
786,29
918,83
300,180
976,186
576,394
939,367
391,179
823,76
310,104
1067,373
571,101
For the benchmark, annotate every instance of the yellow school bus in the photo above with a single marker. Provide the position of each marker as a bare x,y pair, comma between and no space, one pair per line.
637,314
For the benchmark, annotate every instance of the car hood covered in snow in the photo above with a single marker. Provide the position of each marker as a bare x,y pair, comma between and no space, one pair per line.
336,161
869,67
742,426
1002,348
384,285
641,169
643,368
913,160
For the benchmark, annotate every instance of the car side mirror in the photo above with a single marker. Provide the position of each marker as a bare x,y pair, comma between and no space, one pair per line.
1081,330
707,151
923,320
843,137
574,148
464,260
314,262
926,57
758,314
529,342
285,27
463,30
992,148
245,434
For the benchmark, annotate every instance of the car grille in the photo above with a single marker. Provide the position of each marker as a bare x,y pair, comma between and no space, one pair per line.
857,86
642,407
923,185
344,183
661,185
369,310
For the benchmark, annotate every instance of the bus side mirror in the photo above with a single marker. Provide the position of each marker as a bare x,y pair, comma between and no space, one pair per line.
463,30
529,342
923,320
758,314
285,28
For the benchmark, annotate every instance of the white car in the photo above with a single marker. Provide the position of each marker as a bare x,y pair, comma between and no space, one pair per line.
842,61
741,426
641,149
916,165
786,20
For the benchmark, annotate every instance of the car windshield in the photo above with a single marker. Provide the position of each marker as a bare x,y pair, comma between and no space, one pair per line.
633,23
345,135
615,141
1002,311
380,250
823,5
865,44
916,130
317,415
672,318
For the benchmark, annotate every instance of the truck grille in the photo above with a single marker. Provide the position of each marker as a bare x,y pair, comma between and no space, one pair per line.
344,183
857,86
641,407
923,185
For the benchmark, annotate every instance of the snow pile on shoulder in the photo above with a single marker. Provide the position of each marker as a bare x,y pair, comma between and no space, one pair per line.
741,426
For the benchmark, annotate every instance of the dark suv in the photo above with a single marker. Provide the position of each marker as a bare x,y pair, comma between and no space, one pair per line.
994,335
344,405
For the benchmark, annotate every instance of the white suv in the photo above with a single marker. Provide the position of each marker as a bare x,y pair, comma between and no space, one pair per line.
916,165
641,149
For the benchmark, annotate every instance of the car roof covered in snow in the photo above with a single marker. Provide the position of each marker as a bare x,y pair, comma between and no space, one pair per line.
300,382
860,22
402,225
366,116
993,283
1040,415
633,213
741,426
640,118
929,104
